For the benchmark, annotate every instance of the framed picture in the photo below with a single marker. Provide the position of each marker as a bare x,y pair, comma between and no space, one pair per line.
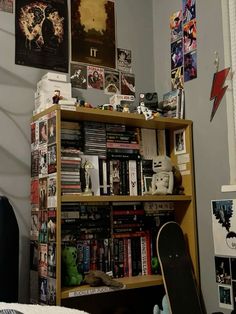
147,185
179,142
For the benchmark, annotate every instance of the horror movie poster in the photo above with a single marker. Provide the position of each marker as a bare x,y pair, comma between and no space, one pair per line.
42,34
93,32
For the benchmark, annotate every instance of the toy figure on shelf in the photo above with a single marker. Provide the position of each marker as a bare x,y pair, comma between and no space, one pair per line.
71,276
56,97
163,178
142,109
87,167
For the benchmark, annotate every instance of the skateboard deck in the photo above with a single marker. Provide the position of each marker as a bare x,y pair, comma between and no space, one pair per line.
177,270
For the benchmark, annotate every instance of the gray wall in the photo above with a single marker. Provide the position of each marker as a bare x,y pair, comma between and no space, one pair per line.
210,138
17,86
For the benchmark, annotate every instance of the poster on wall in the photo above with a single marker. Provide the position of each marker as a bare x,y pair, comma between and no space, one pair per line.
177,54
224,226
190,66
41,38
112,82
176,29
124,60
95,77
6,6
78,75
93,32
189,10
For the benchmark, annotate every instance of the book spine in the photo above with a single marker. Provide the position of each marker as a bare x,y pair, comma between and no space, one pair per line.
121,258
143,245
133,189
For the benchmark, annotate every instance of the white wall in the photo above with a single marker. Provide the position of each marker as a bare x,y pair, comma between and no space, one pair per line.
17,86
209,138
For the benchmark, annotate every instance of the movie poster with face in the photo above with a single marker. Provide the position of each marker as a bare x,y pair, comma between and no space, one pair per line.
42,34
93,32
95,77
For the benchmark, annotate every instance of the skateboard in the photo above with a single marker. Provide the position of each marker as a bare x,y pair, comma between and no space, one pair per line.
177,271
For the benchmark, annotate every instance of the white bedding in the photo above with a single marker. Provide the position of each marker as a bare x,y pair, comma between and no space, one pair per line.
37,309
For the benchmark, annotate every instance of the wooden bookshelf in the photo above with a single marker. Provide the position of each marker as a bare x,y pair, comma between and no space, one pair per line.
185,212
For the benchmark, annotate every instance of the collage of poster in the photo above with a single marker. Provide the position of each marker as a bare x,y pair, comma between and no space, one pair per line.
112,81
224,236
183,44
96,63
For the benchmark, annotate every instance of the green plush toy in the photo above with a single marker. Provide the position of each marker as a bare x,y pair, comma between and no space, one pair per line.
70,274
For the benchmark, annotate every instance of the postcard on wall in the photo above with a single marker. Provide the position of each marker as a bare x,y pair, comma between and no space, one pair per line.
176,28
127,84
93,32
190,66
225,297
222,270
190,36
95,77
177,54
189,10
179,142
177,79
124,60
41,38
78,75
6,6
224,226
112,82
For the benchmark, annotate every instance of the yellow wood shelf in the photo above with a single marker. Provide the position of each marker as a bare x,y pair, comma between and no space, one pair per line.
129,283
107,116
126,198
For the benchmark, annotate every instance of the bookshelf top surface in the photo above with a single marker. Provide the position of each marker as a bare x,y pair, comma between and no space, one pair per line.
107,116
129,283
125,198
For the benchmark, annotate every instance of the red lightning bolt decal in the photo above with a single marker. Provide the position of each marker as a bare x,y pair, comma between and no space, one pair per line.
217,90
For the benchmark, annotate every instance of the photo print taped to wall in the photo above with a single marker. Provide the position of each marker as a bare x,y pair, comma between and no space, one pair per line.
6,6
42,34
93,32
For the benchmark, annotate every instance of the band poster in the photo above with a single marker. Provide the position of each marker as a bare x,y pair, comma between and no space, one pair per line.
42,34
93,32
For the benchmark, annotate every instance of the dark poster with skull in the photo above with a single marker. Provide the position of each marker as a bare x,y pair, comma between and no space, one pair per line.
93,32
41,29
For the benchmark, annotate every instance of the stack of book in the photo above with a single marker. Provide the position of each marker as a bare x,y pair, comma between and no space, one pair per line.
71,135
94,139
131,241
123,160
70,171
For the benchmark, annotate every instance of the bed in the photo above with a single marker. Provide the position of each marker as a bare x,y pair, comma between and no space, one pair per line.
36,309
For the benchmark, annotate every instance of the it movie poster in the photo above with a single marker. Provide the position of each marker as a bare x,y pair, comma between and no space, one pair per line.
93,32
41,29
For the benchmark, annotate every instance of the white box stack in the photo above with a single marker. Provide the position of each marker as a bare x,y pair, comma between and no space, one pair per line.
46,88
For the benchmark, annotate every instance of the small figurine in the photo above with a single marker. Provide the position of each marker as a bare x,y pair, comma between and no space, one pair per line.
163,178
142,109
126,108
56,97
87,167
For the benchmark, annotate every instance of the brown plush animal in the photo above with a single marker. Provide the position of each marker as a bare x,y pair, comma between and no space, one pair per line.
97,278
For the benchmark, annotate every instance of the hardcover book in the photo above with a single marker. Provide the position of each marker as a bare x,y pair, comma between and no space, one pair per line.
171,104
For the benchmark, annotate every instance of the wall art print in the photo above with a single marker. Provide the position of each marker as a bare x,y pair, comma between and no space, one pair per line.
93,32
41,30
